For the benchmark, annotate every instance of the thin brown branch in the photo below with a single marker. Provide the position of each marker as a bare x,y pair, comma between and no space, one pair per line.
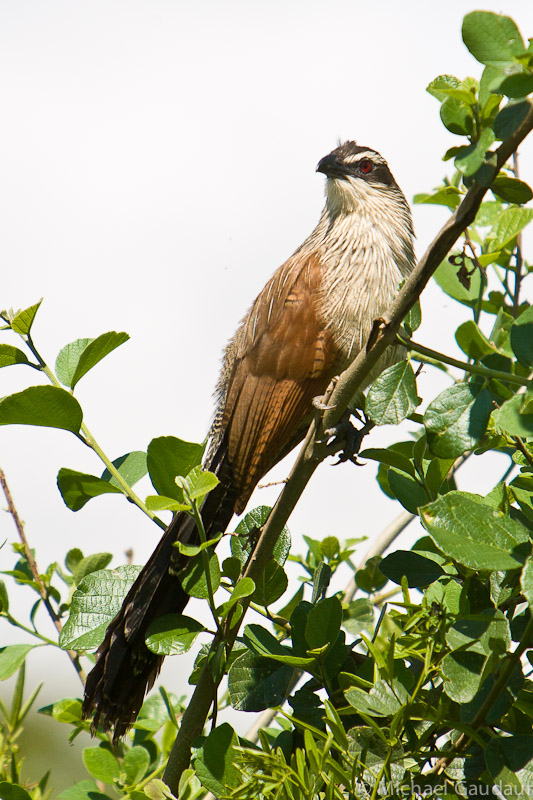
519,263
314,448
523,449
11,508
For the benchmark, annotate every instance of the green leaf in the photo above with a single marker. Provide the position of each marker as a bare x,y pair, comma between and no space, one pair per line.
154,711
442,86
262,642
472,341
244,588
510,222
67,360
518,85
330,547
358,616
449,196
407,490
526,582
463,673
392,396
521,490
168,457
135,764
158,502
77,488
256,683
231,568
198,483
11,355
12,657
511,190
132,466
215,761
321,580
474,534
452,152
413,320
456,419
83,790
95,602
501,333
437,473
73,558
323,623
371,579
77,358
90,564
383,700
193,549
67,710
522,337
13,791
101,764
485,633
250,524
23,320
509,419
527,401
457,117
418,570
376,754
156,789
507,697
192,576
391,458
172,634
270,585
447,594
490,102
4,598
509,760
470,160
509,119
491,38
446,278
47,406
189,787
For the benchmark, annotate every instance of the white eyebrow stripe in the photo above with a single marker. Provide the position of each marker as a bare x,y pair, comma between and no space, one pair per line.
373,156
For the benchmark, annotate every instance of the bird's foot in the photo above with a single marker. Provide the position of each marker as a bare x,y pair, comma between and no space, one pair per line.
345,439
319,404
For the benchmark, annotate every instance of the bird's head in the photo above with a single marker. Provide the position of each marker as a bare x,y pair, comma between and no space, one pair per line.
356,176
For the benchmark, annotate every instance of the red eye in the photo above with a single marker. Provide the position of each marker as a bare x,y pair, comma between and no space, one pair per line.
365,166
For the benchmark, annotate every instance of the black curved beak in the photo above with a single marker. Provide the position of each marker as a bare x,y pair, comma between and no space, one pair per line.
332,166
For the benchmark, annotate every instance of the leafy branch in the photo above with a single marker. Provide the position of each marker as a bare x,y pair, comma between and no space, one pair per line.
472,369
43,591
336,400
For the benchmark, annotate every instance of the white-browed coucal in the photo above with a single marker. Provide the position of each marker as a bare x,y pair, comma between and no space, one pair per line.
311,319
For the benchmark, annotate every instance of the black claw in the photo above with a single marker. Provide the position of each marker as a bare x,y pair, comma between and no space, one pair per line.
345,439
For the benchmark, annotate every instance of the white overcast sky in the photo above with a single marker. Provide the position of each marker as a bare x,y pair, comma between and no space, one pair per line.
158,164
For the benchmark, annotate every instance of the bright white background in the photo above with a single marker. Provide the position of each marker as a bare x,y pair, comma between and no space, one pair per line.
158,165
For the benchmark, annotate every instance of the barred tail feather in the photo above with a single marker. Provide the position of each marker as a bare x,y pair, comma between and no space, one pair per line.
125,669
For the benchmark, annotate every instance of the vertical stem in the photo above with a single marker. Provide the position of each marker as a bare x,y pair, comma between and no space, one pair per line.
35,573
518,252
205,558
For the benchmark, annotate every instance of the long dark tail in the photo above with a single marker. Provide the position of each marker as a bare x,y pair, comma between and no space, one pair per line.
125,669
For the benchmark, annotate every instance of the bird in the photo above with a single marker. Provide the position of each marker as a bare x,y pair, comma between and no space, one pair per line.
311,319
